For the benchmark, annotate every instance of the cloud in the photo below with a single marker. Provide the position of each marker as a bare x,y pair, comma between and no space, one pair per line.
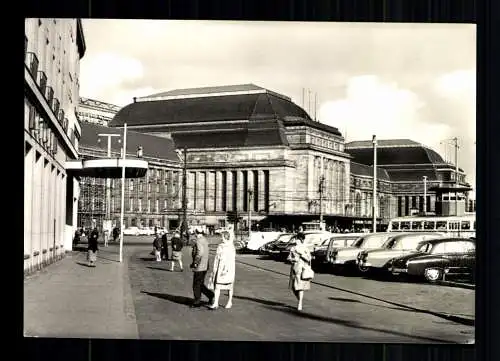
103,74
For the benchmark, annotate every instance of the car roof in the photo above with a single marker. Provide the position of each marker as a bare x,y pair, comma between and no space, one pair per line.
443,240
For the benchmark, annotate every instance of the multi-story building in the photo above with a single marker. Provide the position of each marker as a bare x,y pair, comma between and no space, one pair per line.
249,150
52,52
150,200
256,152
95,111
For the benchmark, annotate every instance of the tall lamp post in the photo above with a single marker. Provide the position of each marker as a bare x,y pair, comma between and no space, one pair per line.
108,183
184,189
124,152
374,200
425,194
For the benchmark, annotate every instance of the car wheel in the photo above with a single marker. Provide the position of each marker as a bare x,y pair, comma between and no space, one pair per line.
433,274
363,268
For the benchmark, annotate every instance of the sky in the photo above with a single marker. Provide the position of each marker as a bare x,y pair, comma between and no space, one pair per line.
411,81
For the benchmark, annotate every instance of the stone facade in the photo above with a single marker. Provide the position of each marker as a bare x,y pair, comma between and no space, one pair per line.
53,48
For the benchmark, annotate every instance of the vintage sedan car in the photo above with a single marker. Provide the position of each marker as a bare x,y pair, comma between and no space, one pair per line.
342,240
312,239
345,257
131,231
397,246
438,259
270,248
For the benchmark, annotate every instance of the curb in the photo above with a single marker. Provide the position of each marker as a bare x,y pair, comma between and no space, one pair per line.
457,285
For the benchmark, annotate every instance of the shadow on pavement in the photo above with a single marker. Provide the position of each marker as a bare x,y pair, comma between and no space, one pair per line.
181,300
159,268
344,299
147,259
453,318
258,300
83,264
353,324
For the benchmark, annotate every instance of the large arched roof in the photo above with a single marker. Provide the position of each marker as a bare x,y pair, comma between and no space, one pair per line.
393,152
228,115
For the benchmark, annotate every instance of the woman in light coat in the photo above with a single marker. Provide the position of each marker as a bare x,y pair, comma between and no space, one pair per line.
222,276
300,258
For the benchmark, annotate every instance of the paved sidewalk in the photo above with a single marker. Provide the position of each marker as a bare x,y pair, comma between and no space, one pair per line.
70,299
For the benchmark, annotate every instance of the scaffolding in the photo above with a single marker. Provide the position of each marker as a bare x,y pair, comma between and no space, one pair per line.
92,203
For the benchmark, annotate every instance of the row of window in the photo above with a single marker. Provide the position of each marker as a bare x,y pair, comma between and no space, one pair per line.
327,144
432,225
39,128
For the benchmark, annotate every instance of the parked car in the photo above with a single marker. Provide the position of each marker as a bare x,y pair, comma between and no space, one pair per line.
259,239
345,258
438,259
320,253
312,239
146,231
397,246
131,231
268,248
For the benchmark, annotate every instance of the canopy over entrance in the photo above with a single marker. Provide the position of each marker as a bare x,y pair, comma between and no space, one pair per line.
107,168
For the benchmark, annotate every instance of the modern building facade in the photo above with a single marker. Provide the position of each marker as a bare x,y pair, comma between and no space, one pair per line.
53,49
95,111
254,151
151,200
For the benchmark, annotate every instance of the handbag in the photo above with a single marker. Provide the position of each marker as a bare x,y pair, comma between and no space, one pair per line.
307,273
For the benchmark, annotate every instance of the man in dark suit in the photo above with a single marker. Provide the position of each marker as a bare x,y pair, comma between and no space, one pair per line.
199,266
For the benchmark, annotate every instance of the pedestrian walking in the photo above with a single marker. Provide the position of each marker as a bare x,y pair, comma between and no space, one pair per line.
76,239
157,248
222,276
106,237
200,267
164,246
301,272
177,246
93,247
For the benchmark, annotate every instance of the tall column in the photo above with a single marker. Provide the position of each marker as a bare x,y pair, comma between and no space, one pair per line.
240,199
63,211
191,190
229,191
250,185
262,194
28,199
211,192
218,191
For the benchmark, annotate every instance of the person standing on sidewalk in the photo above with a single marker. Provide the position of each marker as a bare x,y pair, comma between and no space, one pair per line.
222,276
93,247
200,268
164,246
177,246
157,247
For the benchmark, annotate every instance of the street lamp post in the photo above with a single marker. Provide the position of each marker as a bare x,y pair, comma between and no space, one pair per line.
124,152
374,200
425,194
184,189
108,181
250,193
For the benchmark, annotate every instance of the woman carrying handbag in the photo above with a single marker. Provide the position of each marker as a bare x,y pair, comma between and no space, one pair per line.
301,272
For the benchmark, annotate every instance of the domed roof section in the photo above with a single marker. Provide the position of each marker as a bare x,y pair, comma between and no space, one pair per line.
393,152
236,102
152,146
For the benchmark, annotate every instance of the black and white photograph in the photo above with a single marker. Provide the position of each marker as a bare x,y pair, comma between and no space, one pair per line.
250,181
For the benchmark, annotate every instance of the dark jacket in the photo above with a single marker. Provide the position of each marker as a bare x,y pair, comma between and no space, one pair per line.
164,240
177,244
157,243
200,255
93,237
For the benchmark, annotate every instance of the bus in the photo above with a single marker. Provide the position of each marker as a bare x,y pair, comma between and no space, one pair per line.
453,226
313,226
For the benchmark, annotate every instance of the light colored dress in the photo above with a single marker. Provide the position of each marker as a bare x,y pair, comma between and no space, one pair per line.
223,272
299,256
